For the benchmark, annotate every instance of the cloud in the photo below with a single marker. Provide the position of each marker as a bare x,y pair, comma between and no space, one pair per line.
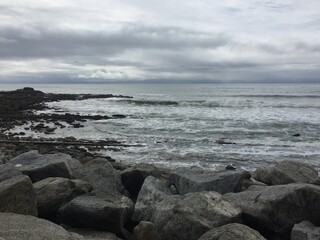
138,40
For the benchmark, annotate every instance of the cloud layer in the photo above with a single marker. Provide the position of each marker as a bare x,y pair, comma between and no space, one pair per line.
181,40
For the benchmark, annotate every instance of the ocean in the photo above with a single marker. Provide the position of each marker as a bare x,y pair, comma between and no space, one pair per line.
185,124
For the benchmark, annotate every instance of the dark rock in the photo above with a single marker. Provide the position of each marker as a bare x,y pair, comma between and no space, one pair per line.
315,181
232,231
296,135
39,167
187,180
146,231
132,178
102,176
18,196
230,167
52,193
305,231
16,227
278,208
8,171
223,141
184,217
286,172
98,211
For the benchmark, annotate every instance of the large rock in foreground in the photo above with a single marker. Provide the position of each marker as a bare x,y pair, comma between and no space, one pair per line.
232,231
101,175
52,193
16,227
286,172
8,171
305,231
39,167
278,208
187,180
17,195
98,211
184,217
89,234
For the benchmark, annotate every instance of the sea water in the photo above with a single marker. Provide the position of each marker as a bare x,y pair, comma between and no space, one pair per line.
184,124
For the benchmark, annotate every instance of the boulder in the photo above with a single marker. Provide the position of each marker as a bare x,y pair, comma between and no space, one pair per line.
102,176
8,171
15,227
17,195
89,234
182,217
187,180
286,172
232,231
98,211
278,208
305,231
146,231
132,178
39,167
52,193
316,181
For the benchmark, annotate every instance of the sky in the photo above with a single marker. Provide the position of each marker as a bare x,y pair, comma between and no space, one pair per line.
159,41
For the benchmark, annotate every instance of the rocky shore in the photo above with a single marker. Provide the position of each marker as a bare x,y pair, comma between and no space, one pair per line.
51,189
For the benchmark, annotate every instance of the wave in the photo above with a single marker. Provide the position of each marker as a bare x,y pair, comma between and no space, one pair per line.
219,103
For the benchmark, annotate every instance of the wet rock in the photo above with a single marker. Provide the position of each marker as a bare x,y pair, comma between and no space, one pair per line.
15,227
39,167
224,141
8,171
102,176
52,193
18,196
232,231
187,180
278,208
286,172
98,211
132,178
184,217
296,135
305,231
146,231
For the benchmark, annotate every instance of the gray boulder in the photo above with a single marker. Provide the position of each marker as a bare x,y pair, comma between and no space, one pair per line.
278,208
305,231
52,193
182,217
146,231
8,171
187,180
17,195
98,211
103,177
39,167
232,231
16,227
132,178
286,172
89,234
316,181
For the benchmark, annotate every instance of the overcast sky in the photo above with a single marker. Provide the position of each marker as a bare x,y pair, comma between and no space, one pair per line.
167,40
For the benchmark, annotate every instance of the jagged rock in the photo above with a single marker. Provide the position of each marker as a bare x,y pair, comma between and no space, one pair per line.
16,227
286,172
39,167
18,196
305,231
8,171
232,231
184,217
146,231
89,234
278,208
52,193
188,180
102,176
98,211
132,178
